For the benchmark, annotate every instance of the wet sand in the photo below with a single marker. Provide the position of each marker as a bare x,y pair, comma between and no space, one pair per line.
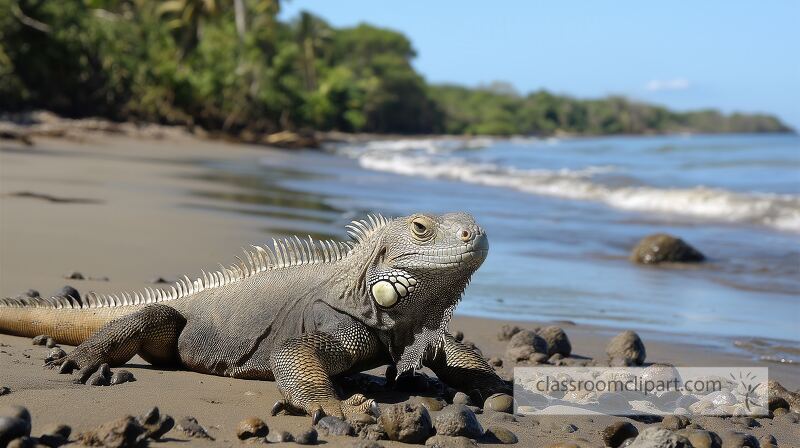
116,207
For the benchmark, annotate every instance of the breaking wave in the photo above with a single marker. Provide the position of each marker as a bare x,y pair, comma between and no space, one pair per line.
440,159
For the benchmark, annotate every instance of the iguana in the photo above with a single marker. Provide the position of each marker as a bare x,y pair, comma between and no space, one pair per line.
299,312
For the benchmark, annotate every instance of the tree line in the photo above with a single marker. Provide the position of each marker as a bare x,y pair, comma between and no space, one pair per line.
232,66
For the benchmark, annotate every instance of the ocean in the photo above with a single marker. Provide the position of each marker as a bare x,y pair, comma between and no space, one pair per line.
562,215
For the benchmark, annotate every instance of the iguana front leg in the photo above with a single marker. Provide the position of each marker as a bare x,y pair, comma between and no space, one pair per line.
303,367
462,368
152,332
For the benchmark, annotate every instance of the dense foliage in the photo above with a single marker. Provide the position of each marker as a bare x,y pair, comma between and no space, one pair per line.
231,65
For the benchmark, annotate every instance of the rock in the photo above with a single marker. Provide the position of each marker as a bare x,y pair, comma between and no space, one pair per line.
40,340
732,439
458,420
700,438
627,347
775,389
50,343
567,428
123,432
290,140
159,280
789,417
251,427
121,376
777,403
499,434
68,291
155,424
366,444
31,293
747,422
440,441
661,248
654,437
55,353
507,331
462,398
557,341
192,428
616,433
538,358
12,428
307,437
432,404
580,443
406,423
500,403
98,379
334,426
523,344
74,275
55,435
674,422
4,390
495,362
458,336
768,441
279,437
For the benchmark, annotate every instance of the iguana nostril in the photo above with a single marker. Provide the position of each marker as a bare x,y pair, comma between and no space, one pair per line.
465,235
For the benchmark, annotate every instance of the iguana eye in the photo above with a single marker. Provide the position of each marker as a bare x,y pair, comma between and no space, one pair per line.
421,228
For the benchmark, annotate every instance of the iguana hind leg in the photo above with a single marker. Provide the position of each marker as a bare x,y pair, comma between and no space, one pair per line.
464,369
303,367
152,332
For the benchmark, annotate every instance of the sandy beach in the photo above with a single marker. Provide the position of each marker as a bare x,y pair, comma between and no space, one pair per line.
118,210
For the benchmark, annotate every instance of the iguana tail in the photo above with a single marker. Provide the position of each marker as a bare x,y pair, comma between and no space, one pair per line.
66,319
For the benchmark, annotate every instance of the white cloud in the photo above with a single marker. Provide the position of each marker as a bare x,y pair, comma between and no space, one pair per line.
660,85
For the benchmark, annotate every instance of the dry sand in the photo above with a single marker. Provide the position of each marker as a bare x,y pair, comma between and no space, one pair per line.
118,207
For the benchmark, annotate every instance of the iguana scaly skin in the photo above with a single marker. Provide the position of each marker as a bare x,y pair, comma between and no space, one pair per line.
299,312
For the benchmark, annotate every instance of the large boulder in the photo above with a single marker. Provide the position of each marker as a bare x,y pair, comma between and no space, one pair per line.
664,248
557,341
407,423
524,344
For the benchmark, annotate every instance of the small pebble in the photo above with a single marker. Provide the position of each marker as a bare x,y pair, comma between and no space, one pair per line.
68,291
626,349
500,403
50,343
440,441
55,353
461,398
617,432
507,331
431,403
155,423
279,437
457,420
768,441
4,390
40,340
121,376
674,422
192,428
732,439
307,437
74,275
747,422
251,427
55,435
500,434
334,426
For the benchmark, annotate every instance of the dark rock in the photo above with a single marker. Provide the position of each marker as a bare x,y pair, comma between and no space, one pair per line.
406,423
12,428
523,344
431,403
700,438
732,439
334,426
768,441
655,437
507,331
568,428
50,343
663,248
74,275
462,398
495,362
557,341
458,336
4,390
307,437
121,376
627,347
55,435
124,432
98,379
55,353
616,433
192,428
251,427
674,422
458,420
777,403
31,293
68,291
159,280
155,424
412,382
440,441
40,340
279,437
500,403
499,434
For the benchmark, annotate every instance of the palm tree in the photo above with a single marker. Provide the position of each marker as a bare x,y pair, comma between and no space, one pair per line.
186,18
312,32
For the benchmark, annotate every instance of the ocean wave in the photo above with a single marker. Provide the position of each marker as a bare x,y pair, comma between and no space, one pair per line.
415,159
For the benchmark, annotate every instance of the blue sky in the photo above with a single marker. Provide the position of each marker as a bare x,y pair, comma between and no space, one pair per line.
731,55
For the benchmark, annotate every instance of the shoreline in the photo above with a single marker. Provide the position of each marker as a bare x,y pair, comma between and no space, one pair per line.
118,209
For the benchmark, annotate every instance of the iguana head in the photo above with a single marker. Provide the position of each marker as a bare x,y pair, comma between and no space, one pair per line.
414,271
